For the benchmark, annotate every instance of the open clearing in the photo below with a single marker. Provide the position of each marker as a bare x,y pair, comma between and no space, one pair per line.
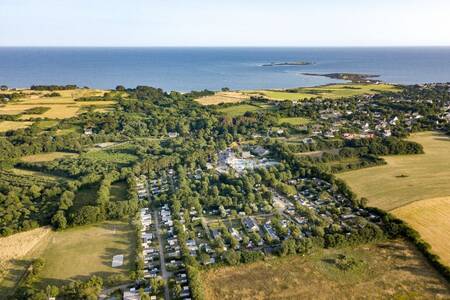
332,91
238,110
13,125
76,253
390,270
431,218
294,121
223,97
43,157
60,107
406,178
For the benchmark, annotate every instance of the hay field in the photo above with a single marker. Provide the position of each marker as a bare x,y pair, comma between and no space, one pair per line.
43,157
223,97
16,247
389,270
431,218
13,125
294,121
239,109
406,178
61,107
333,91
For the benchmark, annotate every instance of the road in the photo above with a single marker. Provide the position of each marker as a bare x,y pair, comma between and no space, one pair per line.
164,273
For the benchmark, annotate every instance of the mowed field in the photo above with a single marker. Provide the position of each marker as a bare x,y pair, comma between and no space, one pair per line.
76,253
60,107
406,178
389,270
13,125
333,91
223,97
431,218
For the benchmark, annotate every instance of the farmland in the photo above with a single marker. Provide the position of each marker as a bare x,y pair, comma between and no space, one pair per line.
406,178
43,157
223,97
238,110
13,125
431,218
392,269
58,107
294,121
327,91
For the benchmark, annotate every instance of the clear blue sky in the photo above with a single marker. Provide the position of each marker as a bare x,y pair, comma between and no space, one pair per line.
224,22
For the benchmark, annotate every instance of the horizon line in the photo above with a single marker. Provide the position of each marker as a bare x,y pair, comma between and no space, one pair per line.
228,46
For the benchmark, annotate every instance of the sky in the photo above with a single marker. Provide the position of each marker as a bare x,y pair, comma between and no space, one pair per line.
209,23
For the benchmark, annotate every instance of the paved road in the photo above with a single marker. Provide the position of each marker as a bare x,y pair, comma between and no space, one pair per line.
164,273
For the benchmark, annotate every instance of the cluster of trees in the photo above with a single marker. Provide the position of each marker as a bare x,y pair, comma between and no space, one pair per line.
53,87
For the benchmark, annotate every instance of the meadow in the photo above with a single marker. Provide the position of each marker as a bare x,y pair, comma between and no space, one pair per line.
72,254
238,110
388,270
13,125
45,157
333,91
294,121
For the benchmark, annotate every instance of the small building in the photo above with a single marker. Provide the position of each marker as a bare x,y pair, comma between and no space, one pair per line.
250,224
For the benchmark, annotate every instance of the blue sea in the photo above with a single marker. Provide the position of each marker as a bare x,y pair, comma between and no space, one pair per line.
186,69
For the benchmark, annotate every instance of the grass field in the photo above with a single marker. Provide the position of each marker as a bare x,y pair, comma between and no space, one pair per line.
425,176
327,91
60,107
390,270
223,97
13,125
81,252
44,176
431,218
76,253
238,110
122,158
294,121
43,157
118,191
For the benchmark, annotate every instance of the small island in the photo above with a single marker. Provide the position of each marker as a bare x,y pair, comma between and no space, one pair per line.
353,77
282,64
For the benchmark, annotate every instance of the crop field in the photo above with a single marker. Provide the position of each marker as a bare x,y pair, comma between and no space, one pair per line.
43,157
294,121
223,97
406,178
431,218
389,270
334,91
13,125
60,107
238,110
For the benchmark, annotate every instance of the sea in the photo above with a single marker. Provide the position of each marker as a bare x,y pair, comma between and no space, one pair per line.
186,69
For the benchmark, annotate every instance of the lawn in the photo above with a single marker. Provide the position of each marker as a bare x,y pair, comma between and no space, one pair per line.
238,110
13,125
223,97
406,178
81,252
44,157
431,218
294,121
326,91
389,270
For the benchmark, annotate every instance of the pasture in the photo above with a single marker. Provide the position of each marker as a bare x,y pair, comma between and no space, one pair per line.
45,157
223,97
332,91
431,218
388,270
406,178
296,121
238,110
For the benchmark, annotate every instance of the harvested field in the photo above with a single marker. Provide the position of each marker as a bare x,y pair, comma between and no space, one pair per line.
43,157
13,125
223,97
431,218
